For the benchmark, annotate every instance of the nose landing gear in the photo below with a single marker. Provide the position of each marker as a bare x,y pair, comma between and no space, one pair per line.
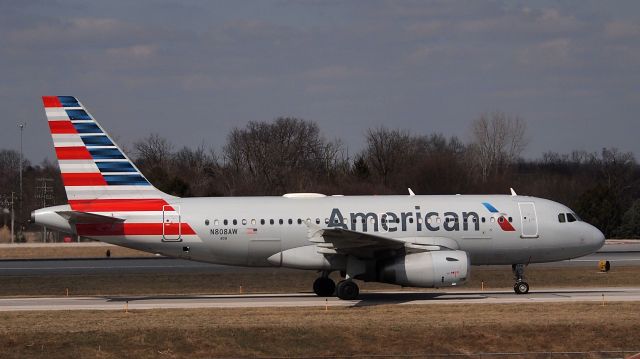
520,287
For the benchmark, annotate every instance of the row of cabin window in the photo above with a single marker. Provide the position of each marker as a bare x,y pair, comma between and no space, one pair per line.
226,222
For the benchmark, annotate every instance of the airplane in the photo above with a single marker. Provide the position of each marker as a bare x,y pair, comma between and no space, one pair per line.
409,240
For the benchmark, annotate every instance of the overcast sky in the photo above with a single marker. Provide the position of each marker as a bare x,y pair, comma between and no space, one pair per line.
193,70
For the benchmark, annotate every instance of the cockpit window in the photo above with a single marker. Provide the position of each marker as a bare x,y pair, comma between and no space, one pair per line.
561,218
571,217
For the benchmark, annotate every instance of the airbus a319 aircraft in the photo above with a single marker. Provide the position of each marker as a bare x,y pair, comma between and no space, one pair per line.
409,240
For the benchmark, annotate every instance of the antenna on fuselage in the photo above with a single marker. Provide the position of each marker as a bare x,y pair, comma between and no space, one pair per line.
411,192
513,193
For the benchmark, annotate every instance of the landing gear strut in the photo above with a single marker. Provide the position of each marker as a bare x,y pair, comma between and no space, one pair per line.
324,286
520,287
347,289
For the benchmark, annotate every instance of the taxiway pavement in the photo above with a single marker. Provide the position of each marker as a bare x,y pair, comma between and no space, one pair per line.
553,295
161,265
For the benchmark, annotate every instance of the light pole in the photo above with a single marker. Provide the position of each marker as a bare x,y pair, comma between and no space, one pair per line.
21,126
13,219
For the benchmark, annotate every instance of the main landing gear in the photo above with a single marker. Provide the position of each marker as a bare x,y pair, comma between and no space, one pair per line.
347,290
520,287
325,287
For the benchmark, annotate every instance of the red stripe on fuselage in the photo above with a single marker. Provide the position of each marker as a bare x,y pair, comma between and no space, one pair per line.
132,229
51,101
73,153
61,127
83,179
119,205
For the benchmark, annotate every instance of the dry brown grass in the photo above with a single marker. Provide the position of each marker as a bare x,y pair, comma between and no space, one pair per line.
67,251
287,281
386,329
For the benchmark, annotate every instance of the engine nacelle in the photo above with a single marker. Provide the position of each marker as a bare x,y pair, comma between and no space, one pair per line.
427,269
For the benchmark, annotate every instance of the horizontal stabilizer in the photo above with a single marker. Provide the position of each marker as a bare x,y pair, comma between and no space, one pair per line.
84,217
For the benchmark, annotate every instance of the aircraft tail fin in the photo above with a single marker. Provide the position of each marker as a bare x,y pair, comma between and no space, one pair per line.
96,173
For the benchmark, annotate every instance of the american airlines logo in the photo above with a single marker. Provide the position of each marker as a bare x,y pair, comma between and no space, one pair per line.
402,221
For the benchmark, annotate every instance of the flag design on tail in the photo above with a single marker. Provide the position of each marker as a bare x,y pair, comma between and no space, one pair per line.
99,178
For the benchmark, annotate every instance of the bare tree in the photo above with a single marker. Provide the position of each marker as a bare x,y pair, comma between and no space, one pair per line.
389,150
287,154
498,141
153,150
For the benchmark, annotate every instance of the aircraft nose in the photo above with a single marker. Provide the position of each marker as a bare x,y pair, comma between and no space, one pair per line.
595,238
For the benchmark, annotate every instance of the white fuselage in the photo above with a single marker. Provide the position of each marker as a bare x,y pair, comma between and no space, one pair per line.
247,231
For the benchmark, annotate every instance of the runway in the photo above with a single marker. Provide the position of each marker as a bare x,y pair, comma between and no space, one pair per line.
618,254
161,265
155,265
558,295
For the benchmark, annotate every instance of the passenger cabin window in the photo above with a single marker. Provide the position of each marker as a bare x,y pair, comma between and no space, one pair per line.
571,217
280,221
561,218
235,222
290,221
262,221
253,221
271,221
215,222
317,220
206,222
225,222
244,222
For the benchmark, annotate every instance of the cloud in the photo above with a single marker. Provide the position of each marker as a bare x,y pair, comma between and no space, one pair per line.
132,52
524,21
552,53
622,29
71,32
426,28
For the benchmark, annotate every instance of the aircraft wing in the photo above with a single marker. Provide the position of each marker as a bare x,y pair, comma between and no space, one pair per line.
338,240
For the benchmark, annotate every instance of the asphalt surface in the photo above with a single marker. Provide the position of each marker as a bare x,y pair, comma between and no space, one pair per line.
111,266
160,265
559,295
621,258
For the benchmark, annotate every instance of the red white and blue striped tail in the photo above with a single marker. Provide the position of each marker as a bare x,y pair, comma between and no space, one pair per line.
97,175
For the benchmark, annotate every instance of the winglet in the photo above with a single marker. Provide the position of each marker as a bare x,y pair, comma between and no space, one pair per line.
411,192
513,193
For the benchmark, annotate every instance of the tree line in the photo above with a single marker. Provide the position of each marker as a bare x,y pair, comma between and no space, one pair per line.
291,155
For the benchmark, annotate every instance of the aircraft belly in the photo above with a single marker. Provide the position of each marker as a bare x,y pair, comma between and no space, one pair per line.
480,250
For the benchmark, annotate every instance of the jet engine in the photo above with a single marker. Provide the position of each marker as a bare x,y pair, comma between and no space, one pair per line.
427,269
